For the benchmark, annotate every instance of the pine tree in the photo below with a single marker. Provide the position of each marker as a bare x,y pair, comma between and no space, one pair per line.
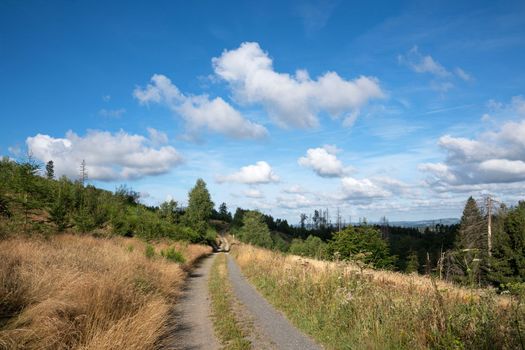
224,214
469,259
472,230
50,170
412,263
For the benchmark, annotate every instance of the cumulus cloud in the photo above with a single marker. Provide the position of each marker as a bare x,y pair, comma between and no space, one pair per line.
259,173
108,156
199,111
292,100
323,161
157,137
356,189
493,157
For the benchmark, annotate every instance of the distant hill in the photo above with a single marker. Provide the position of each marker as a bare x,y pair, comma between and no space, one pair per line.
425,223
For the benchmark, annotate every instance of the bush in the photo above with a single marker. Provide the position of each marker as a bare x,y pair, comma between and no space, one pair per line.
255,231
150,251
172,255
313,247
363,243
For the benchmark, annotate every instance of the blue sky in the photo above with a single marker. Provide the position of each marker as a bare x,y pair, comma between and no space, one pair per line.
379,109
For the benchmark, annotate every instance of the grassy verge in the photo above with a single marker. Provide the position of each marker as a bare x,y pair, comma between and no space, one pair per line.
226,326
344,308
80,292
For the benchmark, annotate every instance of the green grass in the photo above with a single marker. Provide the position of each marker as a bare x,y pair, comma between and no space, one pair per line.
226,325
343,310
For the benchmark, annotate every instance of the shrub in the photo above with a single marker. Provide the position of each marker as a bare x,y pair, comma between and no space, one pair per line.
150,251
172,255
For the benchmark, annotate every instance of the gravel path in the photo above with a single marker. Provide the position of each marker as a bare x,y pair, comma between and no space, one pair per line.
192,325
270,322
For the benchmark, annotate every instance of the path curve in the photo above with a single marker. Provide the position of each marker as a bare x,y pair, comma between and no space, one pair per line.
193,328
271,322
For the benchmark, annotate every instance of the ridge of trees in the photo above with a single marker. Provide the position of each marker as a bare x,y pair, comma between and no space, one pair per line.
30,203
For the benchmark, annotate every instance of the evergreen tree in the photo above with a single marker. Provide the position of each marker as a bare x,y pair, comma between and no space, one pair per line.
50,170
224,214
469,259
199,209
412,263
472,230
508,258
237,220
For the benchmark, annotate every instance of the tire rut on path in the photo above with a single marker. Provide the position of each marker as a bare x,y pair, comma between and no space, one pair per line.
270,322
192,326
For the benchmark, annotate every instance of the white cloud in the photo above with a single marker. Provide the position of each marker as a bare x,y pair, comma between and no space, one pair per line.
253,193
355,189
420,63
462,74
199,111
295,201
112,113
292,100
108,156
491,158
323,161
157,137
259,173
295,189
315,14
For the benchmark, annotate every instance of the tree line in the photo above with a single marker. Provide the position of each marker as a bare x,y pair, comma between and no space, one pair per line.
458,253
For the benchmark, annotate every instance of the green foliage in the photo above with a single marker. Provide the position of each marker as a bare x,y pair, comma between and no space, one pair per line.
224,214
279,243
149,251
468,261
413,263
508,259
172,255
363,243
50,170
169,210
24,194
199,208
312,247
254,230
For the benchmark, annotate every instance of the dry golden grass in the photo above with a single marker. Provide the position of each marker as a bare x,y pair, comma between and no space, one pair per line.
345,307
80,292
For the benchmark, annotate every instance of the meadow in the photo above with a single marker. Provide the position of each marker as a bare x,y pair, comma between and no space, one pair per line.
344,306
81,292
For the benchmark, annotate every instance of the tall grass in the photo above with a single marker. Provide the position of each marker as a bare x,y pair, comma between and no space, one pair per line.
345,307
73,292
